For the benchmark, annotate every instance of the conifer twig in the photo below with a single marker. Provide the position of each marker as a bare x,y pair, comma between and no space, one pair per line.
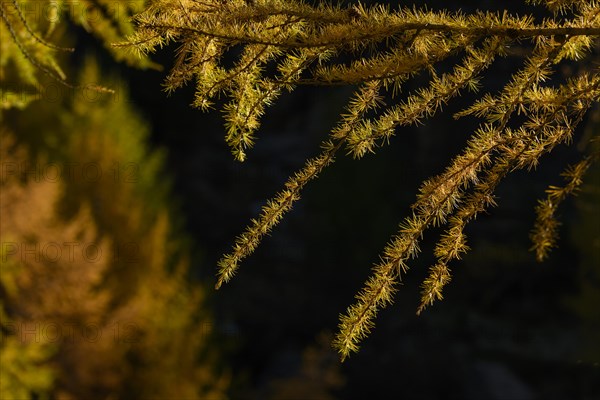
285,44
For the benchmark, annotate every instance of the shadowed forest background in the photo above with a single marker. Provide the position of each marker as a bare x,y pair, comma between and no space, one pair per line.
508,327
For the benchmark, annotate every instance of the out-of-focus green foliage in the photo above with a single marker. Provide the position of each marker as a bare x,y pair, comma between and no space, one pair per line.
46,288
129,323
25,370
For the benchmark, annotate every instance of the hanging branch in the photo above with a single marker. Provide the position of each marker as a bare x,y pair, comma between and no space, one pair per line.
377,50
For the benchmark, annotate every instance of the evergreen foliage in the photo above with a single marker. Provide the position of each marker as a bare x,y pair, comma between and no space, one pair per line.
282,44
30,29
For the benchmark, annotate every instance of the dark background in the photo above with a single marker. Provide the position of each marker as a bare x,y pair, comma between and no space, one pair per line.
506,328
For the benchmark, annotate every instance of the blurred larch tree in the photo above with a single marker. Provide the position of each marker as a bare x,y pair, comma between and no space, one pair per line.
96,296
96,268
